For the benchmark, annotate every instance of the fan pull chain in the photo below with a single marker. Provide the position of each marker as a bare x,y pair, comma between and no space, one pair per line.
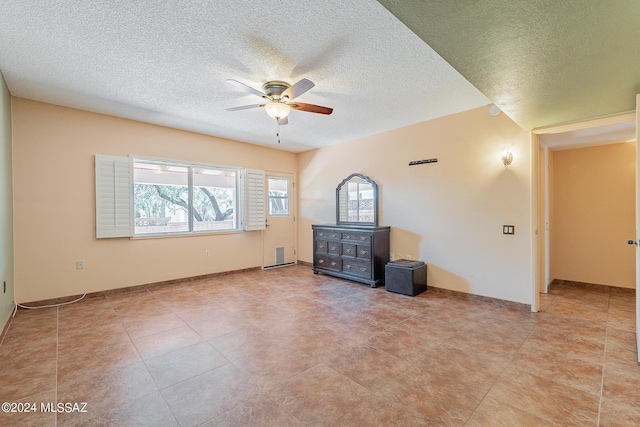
278,131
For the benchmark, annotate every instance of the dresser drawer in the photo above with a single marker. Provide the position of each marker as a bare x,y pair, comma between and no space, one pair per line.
328,235
358,267
322,246
330,262
363,251
356,236
349,249
333,247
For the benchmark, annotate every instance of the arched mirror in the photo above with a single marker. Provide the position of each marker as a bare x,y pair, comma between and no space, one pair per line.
357,201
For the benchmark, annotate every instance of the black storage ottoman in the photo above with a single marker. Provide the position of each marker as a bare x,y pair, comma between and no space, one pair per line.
406,277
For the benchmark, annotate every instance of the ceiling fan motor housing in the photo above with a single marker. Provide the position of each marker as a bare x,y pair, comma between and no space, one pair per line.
275,88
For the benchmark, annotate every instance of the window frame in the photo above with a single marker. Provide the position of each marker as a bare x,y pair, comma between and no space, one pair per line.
191,166
287,197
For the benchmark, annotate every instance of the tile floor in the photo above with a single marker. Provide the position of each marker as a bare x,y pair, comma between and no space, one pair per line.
286,347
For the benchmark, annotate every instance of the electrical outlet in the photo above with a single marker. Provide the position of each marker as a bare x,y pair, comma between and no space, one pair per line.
408,256
391,256
207,253
79,265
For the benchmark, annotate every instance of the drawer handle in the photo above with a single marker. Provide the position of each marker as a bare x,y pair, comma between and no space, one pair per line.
348,251
321,246
347,237
333,248
363,238
320,234
364,252
333,263
348,266
363,269
321,261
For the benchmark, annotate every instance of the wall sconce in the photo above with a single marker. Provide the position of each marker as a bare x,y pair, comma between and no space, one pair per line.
506,158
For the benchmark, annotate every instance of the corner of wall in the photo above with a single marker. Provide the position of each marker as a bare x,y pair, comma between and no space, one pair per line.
6,207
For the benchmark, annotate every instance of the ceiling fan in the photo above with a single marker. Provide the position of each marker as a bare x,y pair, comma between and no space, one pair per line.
280,96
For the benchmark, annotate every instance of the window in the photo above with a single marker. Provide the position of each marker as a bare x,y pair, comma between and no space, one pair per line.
176,197
140,197
278,197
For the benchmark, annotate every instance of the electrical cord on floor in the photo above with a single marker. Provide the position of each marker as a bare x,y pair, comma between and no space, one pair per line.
46,306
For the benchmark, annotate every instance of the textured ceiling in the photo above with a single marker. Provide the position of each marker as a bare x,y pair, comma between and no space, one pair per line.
542,62
166,62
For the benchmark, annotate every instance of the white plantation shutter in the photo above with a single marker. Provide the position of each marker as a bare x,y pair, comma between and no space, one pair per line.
254,200
113,197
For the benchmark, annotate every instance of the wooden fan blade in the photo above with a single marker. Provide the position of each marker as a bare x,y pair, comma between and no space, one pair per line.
297,89
247,88
245,107
311,108
284,121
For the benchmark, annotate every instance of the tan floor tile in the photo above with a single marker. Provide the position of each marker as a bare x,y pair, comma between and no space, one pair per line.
259,411
149,410
218,325
475,339
616,414
319,343
571,328
565,343
152,324
272,366
622,385
377,411
368,366
29,379
33,416
355,328
580,311
93,339
576,373
179,365
620,339
164,342
492,412
243,342
401,344
204,310
319,396
104,392
546,399
621,359
622,320
432,397
208,395
79,362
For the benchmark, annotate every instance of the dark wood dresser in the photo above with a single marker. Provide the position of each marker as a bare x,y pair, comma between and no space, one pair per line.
357,253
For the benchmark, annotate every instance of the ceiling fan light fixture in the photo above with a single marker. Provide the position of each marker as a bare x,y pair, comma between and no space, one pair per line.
277,110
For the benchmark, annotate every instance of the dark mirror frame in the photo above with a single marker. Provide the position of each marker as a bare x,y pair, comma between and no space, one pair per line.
374,187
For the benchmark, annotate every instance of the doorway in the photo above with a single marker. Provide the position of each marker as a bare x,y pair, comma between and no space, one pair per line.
279,234
618,128
587,201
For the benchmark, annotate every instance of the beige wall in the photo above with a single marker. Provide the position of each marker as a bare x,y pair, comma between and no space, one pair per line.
54,207
551,198
448,214
6,207
594,207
